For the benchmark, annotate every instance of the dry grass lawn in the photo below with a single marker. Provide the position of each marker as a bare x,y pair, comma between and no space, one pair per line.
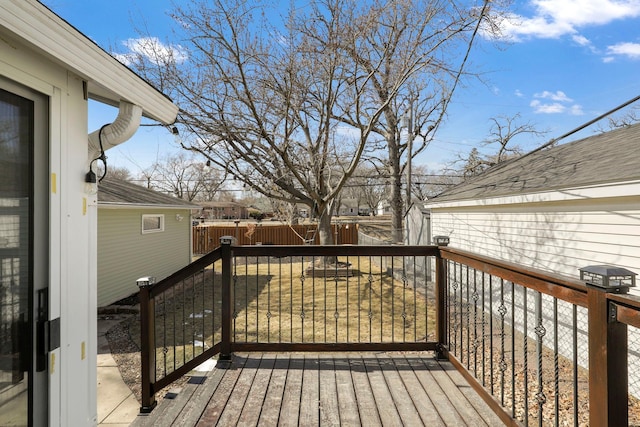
282,300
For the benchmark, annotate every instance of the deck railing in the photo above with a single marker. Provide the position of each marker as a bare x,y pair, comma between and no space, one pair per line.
539,348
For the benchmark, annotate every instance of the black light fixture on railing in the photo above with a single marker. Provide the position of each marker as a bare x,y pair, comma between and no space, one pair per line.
441,240
609,277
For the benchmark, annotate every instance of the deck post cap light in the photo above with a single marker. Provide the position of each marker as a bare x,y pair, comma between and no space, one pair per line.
145,282
441,240
609,277
227,240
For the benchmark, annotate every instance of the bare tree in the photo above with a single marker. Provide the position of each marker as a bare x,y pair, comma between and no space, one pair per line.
368,186
426,183
117,172
503,130
186,178
625,120
264,107
412,53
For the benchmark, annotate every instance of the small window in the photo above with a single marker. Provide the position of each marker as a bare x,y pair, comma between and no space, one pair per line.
152,223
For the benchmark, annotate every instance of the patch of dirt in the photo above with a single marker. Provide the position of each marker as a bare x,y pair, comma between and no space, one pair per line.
126,353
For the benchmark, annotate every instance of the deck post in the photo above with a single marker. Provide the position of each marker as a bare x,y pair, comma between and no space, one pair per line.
608,370
441,308
147,343
227,297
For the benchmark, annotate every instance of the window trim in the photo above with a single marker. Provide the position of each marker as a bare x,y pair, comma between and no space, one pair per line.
154,230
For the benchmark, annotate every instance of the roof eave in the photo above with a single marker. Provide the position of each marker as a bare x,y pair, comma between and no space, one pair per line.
108,80
120,205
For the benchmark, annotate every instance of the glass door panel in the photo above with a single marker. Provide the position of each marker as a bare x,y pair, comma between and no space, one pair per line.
17,146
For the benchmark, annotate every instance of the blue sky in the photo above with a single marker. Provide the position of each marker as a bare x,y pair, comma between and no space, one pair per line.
562,63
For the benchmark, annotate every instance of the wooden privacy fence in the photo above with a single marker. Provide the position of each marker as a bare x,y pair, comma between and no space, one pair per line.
207,237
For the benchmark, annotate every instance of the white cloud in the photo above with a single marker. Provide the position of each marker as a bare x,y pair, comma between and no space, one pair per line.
576,110
581,40
630,50
553,108
152,49
559,96
518,93
556,18
547,102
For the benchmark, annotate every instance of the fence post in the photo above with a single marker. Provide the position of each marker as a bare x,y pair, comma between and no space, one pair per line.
227,297
147,343
441,307
608,370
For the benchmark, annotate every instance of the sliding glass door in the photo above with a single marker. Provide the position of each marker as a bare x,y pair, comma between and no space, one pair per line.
23,254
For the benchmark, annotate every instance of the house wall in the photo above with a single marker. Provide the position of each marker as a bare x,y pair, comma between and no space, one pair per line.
126,254
560,236
72,239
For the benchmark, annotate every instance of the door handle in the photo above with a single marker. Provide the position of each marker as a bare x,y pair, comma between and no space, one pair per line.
47,331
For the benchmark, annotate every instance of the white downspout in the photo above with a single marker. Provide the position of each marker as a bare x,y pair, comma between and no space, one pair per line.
122,128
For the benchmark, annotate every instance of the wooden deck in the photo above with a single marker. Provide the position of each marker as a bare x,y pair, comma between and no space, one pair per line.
328,389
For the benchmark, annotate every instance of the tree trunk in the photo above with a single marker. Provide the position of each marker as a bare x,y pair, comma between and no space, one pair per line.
325,232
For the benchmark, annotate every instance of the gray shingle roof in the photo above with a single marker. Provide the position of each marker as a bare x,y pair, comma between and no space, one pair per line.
113,191
603,158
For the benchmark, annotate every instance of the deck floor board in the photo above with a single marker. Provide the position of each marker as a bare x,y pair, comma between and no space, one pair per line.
326,389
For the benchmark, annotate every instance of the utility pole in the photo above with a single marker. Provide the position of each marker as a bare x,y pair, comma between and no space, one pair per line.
407,122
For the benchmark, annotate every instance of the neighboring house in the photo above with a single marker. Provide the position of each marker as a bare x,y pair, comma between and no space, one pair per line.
223,210
48,216
558,209
384,208
140,233
348,207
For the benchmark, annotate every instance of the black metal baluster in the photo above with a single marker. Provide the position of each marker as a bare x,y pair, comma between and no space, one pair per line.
474,298
335,313
491,372
454,305
556,366
513,350
302,313
257,299
404,300
280,314
483,332
462,302
291,297
540,333
246,299
268,300
370,300
348,301
184,332
575,365
235,296
415,301
393,302
525,360
359,298
193,317
502,310
467,304
214,312
381,300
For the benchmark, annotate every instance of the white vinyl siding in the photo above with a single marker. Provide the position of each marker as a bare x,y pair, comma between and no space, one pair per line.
125,254
558,237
